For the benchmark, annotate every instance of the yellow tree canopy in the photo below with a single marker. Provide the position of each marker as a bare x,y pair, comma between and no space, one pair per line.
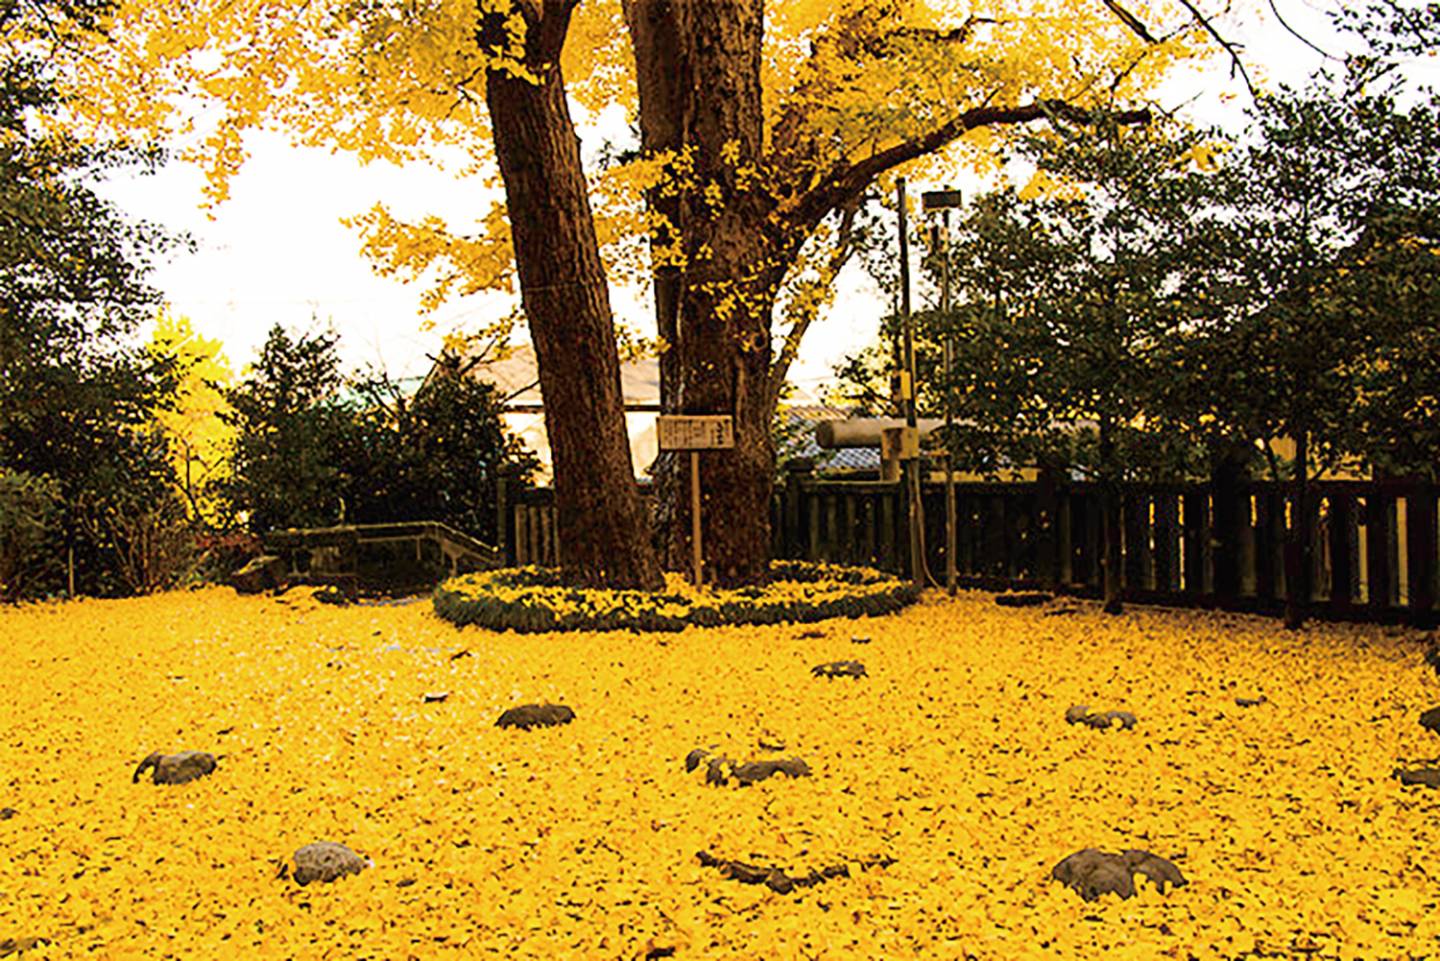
199,438
848,83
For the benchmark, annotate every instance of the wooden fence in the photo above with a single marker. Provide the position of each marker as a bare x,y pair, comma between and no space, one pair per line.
1374,544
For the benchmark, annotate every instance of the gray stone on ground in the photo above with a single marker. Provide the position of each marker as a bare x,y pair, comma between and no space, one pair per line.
176,768
839,669
9,946
1092,872
527,716
1427,776
1022,598
1430,720
722,770
1100,720
326,861
262,573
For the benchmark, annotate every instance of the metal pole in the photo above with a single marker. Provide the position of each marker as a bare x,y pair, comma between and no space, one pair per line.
695,514
949,401
912,465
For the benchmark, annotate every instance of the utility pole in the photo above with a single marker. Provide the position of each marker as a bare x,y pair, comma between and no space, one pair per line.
944,201
910,445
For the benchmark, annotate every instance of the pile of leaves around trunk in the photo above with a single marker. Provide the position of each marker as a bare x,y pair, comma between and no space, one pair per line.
533,599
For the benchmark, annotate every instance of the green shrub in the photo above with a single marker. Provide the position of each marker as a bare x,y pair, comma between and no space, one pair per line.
532,599
29,515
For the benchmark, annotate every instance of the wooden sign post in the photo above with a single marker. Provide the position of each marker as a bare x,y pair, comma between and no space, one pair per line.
695,432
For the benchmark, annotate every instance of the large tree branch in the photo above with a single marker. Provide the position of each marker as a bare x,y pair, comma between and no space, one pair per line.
849,182
844,247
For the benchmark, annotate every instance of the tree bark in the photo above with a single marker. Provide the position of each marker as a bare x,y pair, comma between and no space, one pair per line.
600,519
729,282
698,69
654,41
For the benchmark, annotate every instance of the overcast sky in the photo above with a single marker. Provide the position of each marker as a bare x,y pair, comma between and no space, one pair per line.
277,252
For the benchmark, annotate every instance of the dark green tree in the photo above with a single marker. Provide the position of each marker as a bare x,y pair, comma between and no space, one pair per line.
76,389
1069,296
1309,310
436,454
293,423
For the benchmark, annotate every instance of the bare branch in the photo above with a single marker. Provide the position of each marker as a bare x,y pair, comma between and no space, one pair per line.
1236,64
1297,34
1131,21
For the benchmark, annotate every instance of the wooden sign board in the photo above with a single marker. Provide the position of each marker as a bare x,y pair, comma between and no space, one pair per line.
695,431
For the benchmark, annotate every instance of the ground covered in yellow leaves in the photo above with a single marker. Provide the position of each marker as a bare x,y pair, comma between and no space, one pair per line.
952,757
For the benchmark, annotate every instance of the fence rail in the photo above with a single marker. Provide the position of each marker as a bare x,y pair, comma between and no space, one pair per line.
1373,556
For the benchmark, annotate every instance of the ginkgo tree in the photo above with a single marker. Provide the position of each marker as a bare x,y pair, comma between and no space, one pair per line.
761,126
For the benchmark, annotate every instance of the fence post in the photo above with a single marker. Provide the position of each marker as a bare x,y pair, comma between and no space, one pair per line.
796,473
1047,513
1224,531
1420,542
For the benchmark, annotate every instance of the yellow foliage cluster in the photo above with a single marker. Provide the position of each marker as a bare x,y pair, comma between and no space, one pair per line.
952,757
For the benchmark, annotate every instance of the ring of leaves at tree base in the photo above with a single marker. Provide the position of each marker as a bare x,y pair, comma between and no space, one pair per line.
533,600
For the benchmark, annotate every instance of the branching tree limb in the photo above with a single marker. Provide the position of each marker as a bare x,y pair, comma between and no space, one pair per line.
839,257
849,182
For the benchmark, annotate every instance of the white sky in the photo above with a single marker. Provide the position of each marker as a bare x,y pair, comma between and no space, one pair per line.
277,252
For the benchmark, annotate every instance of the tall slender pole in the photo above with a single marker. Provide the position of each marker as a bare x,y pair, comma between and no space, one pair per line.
949,401
912,464
696,555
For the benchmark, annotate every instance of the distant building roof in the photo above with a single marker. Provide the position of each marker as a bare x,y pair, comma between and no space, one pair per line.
517,375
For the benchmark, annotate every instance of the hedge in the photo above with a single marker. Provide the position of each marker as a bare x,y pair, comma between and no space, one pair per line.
533,599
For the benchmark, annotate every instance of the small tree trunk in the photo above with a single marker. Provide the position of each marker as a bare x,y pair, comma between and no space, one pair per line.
1112,559
654,40
602,529
1297,537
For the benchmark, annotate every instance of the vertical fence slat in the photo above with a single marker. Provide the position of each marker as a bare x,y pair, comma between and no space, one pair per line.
1342,539
1421,544
1377,550
1167,544
1134,519
1269,517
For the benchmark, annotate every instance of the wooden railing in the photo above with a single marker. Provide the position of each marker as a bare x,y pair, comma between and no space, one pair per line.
1373,544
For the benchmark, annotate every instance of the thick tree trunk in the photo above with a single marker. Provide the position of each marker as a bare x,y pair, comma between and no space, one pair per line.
603,536
653,37
731,274
698,71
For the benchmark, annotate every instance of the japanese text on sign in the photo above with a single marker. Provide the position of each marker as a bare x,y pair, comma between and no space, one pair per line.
696,432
